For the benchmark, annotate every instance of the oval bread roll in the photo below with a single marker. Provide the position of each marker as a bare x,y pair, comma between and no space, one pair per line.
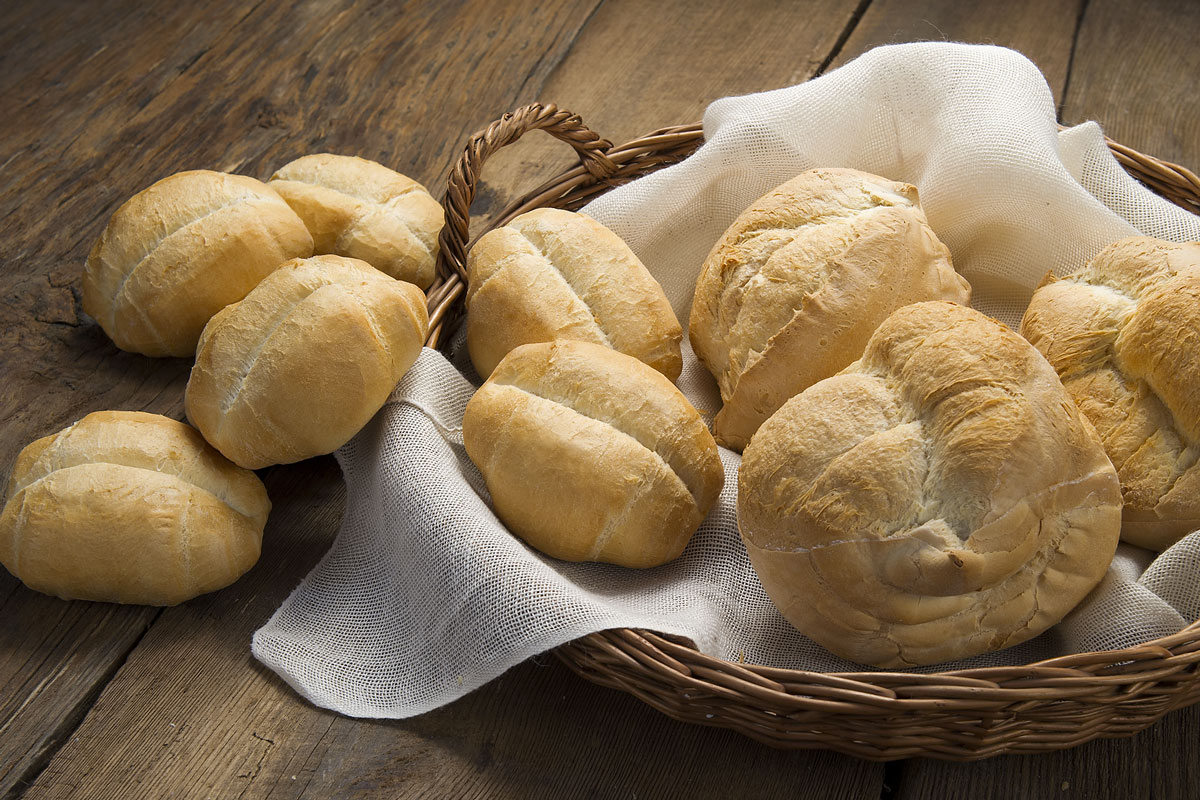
1124,335
792,291
304,361
590,455
127,507
179,251
553,274
941,497
358,208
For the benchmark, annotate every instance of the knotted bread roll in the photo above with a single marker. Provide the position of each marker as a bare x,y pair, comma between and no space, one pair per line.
179,251
304,361
128,507
590,455
793,289
941,497
553,274
358,208
1124,335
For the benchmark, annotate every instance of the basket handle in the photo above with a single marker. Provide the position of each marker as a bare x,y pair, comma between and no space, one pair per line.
464,180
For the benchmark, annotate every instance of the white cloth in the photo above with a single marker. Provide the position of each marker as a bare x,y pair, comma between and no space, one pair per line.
424,596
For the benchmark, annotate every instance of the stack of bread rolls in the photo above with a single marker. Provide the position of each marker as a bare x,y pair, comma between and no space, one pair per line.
294,353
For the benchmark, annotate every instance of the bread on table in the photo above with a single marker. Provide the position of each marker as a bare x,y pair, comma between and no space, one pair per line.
939,498
794,288
128,507
179,251
591,455
553,274
1124,335
358,208
304,361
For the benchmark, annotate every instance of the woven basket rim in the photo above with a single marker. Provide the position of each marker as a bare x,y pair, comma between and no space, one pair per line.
670,674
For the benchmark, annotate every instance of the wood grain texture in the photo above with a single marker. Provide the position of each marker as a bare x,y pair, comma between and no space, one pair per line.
673,62
1041,31
1135,72
102,99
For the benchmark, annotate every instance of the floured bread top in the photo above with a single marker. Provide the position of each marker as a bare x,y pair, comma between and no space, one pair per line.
358,208
1124,335
792,291
552,274
304,361
591,455
939,498
182,249
130,507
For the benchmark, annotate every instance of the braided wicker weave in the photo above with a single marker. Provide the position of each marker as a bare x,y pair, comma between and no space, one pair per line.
960,715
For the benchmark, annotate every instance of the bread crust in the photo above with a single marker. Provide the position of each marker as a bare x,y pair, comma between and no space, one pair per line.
304,361
591,455
179,251
939,498
361,209
128,507
793,289
552,274
1123,333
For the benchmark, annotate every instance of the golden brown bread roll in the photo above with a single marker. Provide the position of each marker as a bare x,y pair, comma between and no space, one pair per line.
1124,335
939,498
179,251
358,208
304,361
793,289
127,507
553,274
590,455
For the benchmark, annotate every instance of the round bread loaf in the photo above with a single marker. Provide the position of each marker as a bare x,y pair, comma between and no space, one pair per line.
358,208
792,291
941,497
179,251
552,274
1124,335
128,507
304,361
590,455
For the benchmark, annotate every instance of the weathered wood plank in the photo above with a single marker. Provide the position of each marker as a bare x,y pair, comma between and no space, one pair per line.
633,70
102,99
1135,71
1041,31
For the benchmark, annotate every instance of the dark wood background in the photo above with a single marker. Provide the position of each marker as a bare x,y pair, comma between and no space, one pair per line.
99,99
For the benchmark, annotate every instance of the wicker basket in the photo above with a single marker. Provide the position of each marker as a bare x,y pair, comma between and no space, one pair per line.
959,715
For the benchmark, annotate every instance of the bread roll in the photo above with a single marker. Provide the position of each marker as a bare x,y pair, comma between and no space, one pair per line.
792,291
553,274
299,366
1124,335
127,507
590,455
357,208
941,497
178,252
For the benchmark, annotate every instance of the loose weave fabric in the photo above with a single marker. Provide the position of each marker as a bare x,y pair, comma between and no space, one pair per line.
425,596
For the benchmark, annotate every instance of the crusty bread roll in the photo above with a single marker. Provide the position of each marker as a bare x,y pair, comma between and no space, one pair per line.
1124,335
939,498
179,251
792,291
304,361
590,455
553,274
128,507
358,208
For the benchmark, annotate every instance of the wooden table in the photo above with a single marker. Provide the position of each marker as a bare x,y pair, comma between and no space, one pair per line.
99,99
